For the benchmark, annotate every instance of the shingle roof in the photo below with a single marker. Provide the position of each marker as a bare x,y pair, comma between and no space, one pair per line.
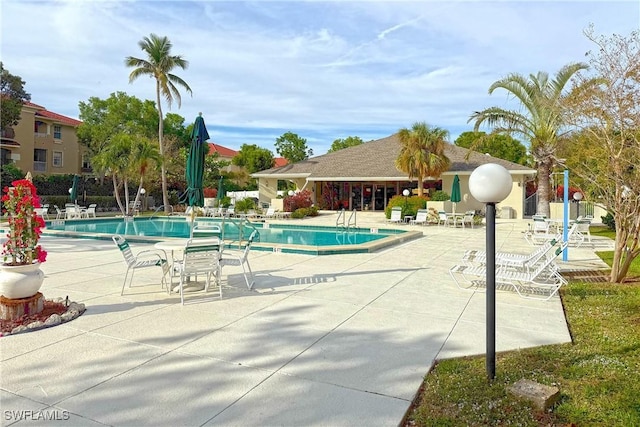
376,159
43,112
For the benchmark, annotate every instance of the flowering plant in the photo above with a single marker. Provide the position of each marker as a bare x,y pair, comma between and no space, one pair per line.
25,226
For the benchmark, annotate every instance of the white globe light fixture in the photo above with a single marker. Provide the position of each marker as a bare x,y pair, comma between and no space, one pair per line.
577,196
70,190
143,191
290,193
405,192
490,184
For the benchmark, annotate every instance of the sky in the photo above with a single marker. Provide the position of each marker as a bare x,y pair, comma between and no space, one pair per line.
320,69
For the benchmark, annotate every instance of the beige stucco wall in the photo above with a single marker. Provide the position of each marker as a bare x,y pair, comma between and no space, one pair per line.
43,139
514,201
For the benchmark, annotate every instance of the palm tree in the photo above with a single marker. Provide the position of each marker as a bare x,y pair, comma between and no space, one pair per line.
159,64
422,152
143,155
540,122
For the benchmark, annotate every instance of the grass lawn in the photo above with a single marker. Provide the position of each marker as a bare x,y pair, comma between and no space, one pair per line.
598,374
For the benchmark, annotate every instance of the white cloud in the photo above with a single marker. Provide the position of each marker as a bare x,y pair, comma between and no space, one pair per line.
324,70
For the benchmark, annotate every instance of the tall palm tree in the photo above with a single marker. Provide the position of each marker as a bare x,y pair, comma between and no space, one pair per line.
159,64
143,155
422,152
540,122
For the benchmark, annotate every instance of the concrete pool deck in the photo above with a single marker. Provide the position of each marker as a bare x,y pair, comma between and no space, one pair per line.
320,340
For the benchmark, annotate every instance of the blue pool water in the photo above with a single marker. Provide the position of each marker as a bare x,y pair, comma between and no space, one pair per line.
277,234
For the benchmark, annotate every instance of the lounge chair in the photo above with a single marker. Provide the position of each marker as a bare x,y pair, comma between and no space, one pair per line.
241,260
200,256
396,215
523,262
143,259
541,283
421,217
269,214
42,212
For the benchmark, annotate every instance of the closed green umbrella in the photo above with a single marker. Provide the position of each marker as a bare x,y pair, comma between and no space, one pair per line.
220,194
455,192
194,196
74,190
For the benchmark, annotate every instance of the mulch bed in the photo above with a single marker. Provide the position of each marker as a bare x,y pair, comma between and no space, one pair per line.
50,307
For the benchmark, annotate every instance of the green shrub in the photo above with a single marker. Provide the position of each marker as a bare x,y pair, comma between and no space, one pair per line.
245,205
440,196
609,221
298,213
409,206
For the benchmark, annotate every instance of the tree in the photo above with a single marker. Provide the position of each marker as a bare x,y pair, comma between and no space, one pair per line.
292,147
104,118
605,110
500,146
540,121
13,97
159,64
253,158
350,141
422,152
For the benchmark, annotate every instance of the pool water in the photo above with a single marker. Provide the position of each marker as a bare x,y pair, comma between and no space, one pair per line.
276,234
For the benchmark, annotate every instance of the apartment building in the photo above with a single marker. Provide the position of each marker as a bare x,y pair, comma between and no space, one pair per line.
44,142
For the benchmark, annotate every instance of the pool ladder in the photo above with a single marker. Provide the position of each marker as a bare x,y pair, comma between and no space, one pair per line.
342,221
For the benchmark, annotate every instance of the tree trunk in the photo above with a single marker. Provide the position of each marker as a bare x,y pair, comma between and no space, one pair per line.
163,170
544,184
420,186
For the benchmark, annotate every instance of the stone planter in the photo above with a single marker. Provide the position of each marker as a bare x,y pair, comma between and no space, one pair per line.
20,281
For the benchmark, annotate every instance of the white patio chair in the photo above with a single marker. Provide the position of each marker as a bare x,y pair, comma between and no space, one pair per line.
91,211
396,215
200,256
443,219
421,217
60,213
42,212
538,231
241,260
583,226
143,259
467,219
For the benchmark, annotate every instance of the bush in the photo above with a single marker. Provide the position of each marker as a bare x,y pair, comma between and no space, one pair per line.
297,201
440,196
299,213
609,221
245,205
210,193
409,206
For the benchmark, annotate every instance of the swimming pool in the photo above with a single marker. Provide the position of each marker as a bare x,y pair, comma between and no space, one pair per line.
291,238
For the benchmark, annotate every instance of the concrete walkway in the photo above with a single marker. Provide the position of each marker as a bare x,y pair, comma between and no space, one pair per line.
321,340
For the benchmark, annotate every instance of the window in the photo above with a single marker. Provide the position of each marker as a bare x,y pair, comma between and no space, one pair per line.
39,160
57,159
57,132
86,163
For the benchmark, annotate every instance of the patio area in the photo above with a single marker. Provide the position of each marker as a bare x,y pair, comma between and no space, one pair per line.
320,340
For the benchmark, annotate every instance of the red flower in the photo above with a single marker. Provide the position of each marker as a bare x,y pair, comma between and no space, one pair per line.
25,227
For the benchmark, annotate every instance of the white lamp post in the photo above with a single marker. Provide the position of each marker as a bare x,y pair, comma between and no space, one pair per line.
405,193
144,199
490,184
577,196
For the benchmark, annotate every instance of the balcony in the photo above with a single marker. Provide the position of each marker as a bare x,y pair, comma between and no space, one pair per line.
41,137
